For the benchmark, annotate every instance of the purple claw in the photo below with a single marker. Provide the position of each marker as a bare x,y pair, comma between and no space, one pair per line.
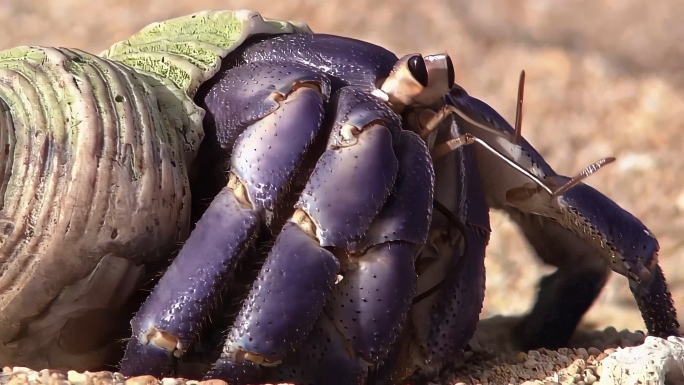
324,358
171,316
406,215
371,301
245,94
236,373
285,301
354,177
268,152
601,221
656,305
347,61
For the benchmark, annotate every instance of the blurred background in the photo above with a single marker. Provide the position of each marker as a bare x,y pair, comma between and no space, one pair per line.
604,78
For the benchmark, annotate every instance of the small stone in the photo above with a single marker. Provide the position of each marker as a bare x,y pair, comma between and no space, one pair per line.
611,334
582,352
16,380
589,377
610,351
76,378
601,356
520,357
593,351
172,381
573,369
565,361
213,382
142,380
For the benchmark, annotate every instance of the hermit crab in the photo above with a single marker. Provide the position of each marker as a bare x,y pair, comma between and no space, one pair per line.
326,203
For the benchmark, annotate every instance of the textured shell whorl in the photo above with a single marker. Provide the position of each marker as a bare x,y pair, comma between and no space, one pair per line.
94,152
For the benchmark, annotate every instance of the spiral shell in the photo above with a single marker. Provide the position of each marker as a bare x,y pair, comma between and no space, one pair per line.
94,153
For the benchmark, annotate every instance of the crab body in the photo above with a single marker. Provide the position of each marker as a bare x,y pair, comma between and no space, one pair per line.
313,173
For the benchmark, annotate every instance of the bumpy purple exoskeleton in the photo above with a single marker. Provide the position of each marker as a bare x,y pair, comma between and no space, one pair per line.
324,158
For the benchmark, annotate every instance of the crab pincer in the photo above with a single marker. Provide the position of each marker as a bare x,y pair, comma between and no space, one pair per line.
262,169
347,188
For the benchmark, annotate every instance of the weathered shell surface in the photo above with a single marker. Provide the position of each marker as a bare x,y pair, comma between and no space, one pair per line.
93,171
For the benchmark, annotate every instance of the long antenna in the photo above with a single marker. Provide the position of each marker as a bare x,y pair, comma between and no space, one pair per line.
519,109
593,168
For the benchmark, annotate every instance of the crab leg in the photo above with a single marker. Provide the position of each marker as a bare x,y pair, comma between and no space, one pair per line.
445,319
362,319
174,311
262,169
601,227
346,190
379,284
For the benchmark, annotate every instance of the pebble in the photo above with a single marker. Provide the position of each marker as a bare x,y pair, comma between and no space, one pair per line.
589,377
142,380
593,351
573,369
76,377
582,352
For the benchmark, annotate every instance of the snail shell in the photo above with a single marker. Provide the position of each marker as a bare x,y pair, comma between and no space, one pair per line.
94,153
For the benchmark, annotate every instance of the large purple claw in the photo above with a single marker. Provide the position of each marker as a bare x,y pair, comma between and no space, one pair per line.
324,358
406,215
347,61
354,177
248,93
371,301
268,152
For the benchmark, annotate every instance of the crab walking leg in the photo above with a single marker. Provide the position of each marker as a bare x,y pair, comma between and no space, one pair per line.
284,302
445,314
174,311
263,166
330,354
564,296
358,177
371,302
324,358
628,246
611,233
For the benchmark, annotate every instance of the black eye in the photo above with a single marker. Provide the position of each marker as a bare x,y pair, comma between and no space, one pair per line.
450,70
417,68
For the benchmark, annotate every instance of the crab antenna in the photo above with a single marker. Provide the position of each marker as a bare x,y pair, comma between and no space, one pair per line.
511,163
445,111
451,145
519,109
593,168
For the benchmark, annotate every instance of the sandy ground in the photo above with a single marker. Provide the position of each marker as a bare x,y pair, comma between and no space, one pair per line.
603,78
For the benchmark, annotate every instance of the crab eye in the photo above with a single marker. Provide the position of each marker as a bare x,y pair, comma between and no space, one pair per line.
450,72
417,67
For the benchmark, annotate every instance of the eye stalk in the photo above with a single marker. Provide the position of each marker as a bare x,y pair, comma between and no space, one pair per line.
441,78
418,80
408,79
416,65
